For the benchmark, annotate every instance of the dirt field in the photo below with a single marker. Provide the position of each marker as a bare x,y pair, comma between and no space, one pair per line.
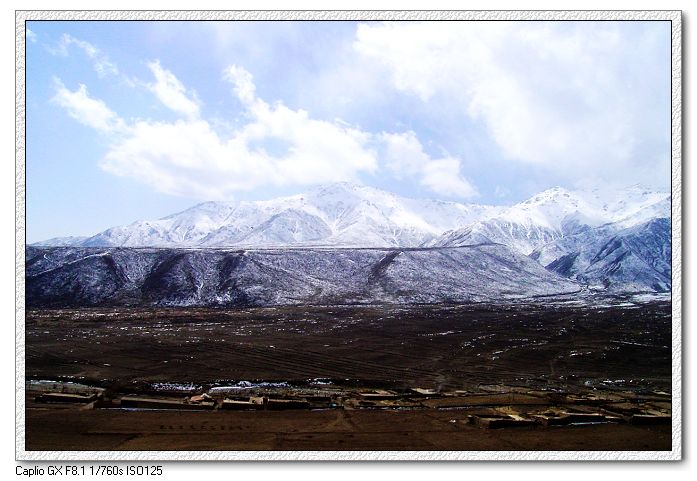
447,347
468,350
329,430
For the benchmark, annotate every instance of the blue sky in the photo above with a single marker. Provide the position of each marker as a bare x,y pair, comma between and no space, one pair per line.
137,120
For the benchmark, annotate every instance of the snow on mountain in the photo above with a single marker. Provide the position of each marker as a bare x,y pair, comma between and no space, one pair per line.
59,277
617,240
340,214
292,226
185,228
636,258
557,213
62,241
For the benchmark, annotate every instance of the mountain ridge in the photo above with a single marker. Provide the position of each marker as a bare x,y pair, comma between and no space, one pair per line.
340,214
619,241
353,215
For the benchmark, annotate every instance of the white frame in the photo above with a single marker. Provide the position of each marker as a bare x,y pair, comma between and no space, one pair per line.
675,17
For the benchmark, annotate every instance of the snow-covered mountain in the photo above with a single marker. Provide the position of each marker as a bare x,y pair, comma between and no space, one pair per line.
340,214
349,215
619,241
636,258
558,213
62,241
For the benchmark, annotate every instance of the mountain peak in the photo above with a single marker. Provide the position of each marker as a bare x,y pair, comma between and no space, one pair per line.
210,206
346,187
550,195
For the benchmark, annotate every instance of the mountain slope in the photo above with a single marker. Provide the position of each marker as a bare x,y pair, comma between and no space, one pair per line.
557,213
636,258
62,241
59,277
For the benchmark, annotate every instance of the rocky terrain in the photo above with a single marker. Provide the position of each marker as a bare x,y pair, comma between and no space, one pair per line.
224,277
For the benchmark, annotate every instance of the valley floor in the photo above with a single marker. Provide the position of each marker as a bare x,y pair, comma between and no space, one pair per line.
470,364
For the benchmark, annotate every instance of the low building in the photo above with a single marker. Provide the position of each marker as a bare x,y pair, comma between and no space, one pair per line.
254,403
377,395
61,397
278,404
134,402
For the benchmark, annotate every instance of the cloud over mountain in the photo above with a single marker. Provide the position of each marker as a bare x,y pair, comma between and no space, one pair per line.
276,146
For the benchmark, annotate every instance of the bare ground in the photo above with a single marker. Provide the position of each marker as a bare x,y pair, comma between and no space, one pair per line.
566,349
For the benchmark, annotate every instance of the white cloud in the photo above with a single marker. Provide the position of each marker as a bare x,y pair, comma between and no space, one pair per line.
501,191
243,84
170,91
31,36
571,98
405,157
404,154
86,110
100,62
443,176
277,146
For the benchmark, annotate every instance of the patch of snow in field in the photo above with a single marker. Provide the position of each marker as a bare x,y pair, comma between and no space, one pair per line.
243,385
173,386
